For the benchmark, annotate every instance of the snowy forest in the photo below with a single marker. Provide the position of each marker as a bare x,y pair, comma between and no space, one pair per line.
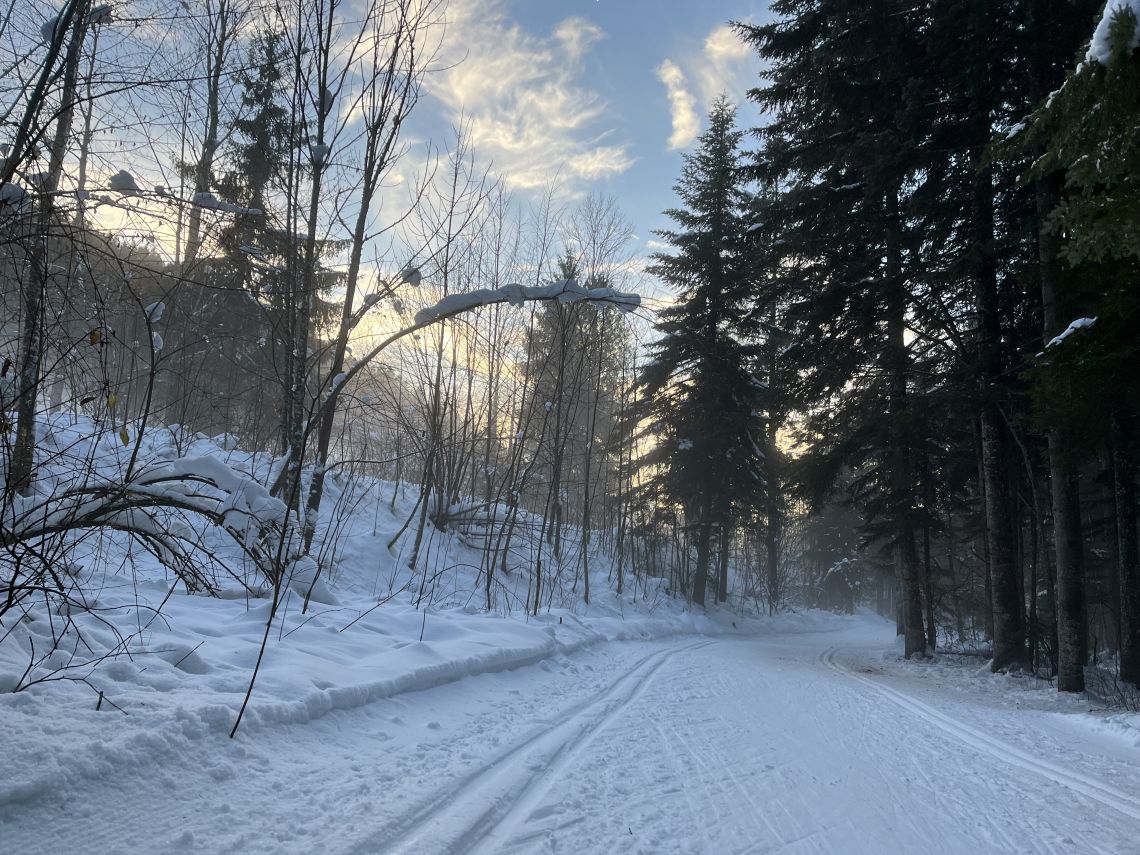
302,411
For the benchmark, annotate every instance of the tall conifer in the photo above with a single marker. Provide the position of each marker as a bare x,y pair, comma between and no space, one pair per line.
700,395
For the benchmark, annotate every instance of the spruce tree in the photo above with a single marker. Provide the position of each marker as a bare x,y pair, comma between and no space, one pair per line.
261,253
700,398
907,264
774,331
841,145
1088,129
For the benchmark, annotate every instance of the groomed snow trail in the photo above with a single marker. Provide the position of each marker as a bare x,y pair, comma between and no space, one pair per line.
803,743
483,802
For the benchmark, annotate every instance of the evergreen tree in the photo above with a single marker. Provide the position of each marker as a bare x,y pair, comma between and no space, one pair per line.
700,394
260,254
774,331
842,147
1089,131
259,250
907,262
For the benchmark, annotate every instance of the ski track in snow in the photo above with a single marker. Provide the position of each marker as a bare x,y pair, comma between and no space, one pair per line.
486,803
917,787
995,748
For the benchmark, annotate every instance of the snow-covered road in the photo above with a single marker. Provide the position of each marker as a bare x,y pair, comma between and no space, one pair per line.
805,743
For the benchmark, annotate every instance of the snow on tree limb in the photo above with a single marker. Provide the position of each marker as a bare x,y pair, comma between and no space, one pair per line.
1100,47
154,505
565,291
1078,324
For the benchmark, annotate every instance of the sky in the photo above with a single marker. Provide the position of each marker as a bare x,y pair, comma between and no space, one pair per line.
605,94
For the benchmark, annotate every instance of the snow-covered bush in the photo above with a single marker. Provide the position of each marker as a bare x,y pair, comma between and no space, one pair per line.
89,484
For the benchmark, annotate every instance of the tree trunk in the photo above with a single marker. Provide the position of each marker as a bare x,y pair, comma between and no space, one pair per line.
1071,619
987,577
1072,646
772,549
302,294
1009,623
1124,483
586,504
1070,623
774,529
902,482
704,535
34,288
722,578
927,568
1034,620
220,26
1008,599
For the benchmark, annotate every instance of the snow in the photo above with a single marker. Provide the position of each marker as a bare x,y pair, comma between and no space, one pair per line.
101,14
47,29
1078,324
91,484
565,291
154,311
206,199
123,182
14,196
1100,48
381,722
801,733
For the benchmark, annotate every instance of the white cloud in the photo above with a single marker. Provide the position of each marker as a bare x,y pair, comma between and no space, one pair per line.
521,97
576,36
682,105
726,65
597,162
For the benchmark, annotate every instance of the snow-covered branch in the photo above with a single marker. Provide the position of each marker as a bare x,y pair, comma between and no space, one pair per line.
565,291
154,505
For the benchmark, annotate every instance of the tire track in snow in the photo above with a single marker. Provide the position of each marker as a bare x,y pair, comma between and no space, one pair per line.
1003,751
495,797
